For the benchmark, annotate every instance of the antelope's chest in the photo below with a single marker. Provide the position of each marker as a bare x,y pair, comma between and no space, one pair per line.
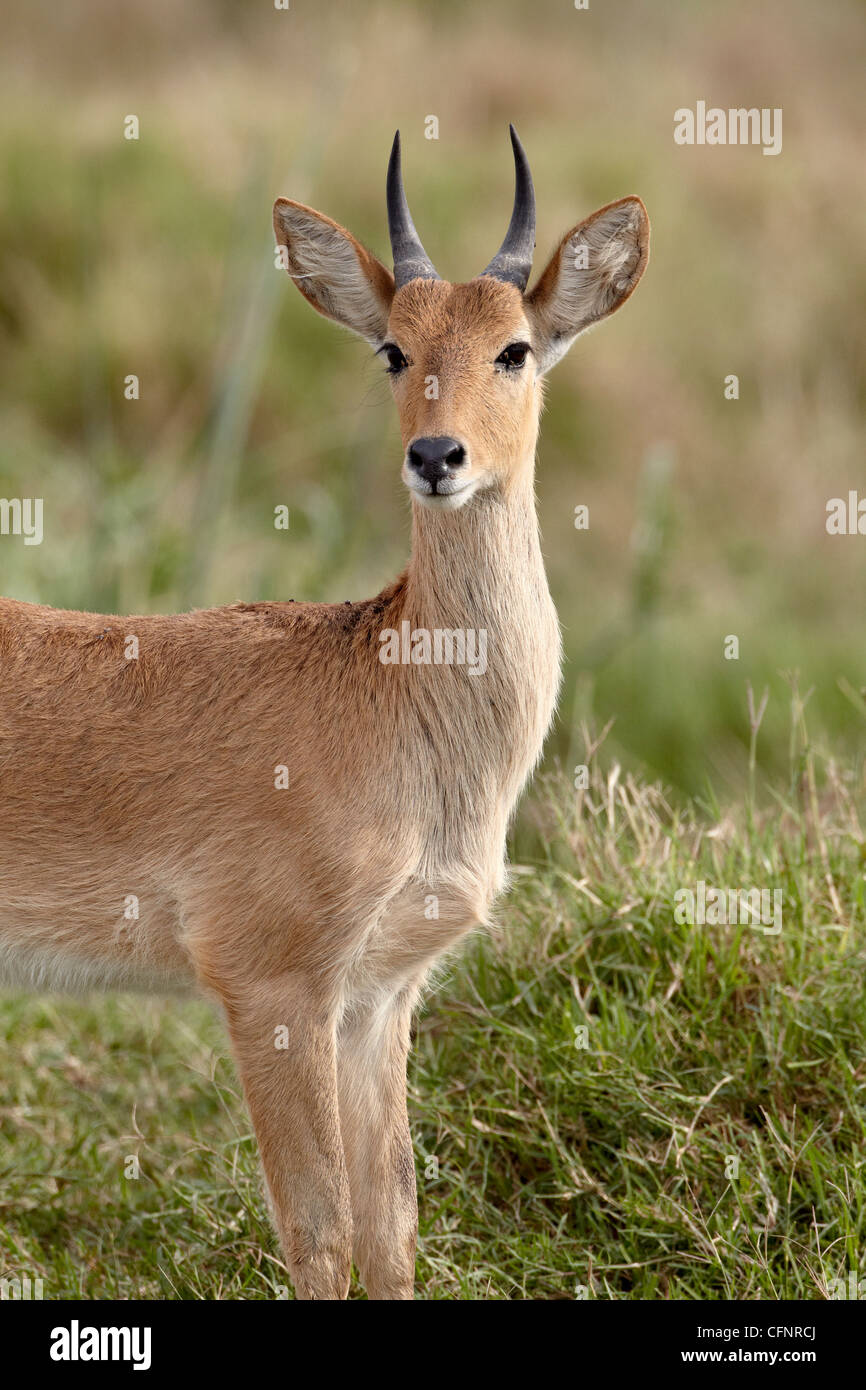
457,796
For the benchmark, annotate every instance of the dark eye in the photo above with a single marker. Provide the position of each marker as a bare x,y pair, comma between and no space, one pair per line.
396,360
514,355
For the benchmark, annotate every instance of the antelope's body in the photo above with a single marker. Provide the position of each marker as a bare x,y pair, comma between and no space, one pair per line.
302,827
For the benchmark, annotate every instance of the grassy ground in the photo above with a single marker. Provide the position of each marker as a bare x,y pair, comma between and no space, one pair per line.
551,1164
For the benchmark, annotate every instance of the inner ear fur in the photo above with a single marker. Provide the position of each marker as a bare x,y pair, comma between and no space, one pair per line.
334,272
570,297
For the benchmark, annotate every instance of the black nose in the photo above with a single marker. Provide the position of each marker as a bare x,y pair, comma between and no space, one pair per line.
432,458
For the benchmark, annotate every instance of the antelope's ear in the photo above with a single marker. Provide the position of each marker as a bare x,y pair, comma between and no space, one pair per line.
593,270
339,276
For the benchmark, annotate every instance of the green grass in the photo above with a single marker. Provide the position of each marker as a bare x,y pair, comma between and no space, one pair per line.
545,1166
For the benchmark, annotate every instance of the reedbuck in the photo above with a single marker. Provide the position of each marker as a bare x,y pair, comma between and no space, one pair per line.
308,803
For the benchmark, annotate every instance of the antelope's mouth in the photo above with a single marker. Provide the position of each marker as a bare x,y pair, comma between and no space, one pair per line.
443,494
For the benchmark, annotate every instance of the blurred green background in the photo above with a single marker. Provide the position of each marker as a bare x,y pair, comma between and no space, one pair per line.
155,257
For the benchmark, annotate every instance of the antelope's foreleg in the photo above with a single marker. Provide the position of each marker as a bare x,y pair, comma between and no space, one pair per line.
372,1046
285,1044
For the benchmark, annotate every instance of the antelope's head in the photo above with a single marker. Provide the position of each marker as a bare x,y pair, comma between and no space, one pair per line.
466,360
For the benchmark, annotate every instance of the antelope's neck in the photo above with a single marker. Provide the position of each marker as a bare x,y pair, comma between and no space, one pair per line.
480,570
481,562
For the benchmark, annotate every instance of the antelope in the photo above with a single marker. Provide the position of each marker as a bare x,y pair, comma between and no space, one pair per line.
303,826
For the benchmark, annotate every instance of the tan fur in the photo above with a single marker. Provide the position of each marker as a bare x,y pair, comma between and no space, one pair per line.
305,912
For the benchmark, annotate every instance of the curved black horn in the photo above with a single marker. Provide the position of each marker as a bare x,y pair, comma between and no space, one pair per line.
513,260
411,261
